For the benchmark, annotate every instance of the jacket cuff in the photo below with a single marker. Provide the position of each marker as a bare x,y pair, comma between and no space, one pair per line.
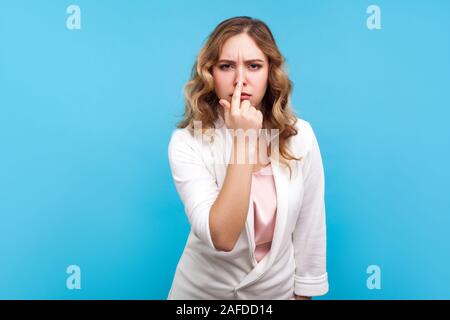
311,286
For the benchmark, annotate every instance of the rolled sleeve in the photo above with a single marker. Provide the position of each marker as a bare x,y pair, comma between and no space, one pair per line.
195,185
309,236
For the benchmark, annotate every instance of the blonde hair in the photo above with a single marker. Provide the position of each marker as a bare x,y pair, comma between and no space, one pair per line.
202,103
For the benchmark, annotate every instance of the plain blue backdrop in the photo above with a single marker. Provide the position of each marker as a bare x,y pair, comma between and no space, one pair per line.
86,116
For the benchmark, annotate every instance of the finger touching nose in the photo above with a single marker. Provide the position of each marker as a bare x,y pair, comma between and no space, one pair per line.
240,74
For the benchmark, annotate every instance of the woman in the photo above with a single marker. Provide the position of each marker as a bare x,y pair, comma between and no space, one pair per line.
255,202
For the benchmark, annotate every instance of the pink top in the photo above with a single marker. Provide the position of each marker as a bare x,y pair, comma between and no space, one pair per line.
264,202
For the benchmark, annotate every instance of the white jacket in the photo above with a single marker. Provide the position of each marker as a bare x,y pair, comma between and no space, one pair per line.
296,261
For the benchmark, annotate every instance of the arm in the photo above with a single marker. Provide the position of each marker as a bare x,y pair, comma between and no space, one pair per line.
195,184
216,216
229,211
309,235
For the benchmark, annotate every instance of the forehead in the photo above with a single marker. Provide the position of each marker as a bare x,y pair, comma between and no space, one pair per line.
241,45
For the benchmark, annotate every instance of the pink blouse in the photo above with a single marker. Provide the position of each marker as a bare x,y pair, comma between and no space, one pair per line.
264,202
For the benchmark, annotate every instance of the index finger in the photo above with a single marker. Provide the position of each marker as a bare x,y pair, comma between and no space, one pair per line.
236,98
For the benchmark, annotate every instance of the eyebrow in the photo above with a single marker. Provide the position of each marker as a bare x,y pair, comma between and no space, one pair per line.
246,61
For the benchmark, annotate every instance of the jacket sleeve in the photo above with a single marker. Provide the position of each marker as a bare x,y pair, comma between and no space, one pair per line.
309,236
195,185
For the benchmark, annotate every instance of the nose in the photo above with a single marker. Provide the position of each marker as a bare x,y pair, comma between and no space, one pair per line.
240,75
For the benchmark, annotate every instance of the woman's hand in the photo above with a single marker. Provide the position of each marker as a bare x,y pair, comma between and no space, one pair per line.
241,115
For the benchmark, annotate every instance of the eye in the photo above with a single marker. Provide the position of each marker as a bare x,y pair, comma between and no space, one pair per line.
255,66
224,66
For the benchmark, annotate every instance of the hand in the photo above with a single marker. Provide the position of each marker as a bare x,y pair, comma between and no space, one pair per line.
241,115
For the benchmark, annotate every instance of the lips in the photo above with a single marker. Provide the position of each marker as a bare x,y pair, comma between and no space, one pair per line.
244,95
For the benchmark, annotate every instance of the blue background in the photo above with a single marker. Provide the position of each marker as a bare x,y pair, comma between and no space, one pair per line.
86,116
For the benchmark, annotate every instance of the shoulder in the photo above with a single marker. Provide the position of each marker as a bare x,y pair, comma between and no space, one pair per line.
183,143
302,142
303,127
180,140
180,135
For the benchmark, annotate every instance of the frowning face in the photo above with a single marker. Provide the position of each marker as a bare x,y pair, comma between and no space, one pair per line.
241,60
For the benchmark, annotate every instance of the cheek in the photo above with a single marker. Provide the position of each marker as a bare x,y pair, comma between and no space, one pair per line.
222,83
260,83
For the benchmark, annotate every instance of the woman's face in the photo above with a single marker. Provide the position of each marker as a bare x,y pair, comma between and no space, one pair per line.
241,60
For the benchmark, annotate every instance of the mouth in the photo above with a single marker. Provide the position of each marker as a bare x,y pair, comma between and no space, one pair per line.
244,96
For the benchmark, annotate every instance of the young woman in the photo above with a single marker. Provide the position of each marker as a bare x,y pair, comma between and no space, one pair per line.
255,202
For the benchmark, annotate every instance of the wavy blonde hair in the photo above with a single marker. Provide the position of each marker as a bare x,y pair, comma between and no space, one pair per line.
202,103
